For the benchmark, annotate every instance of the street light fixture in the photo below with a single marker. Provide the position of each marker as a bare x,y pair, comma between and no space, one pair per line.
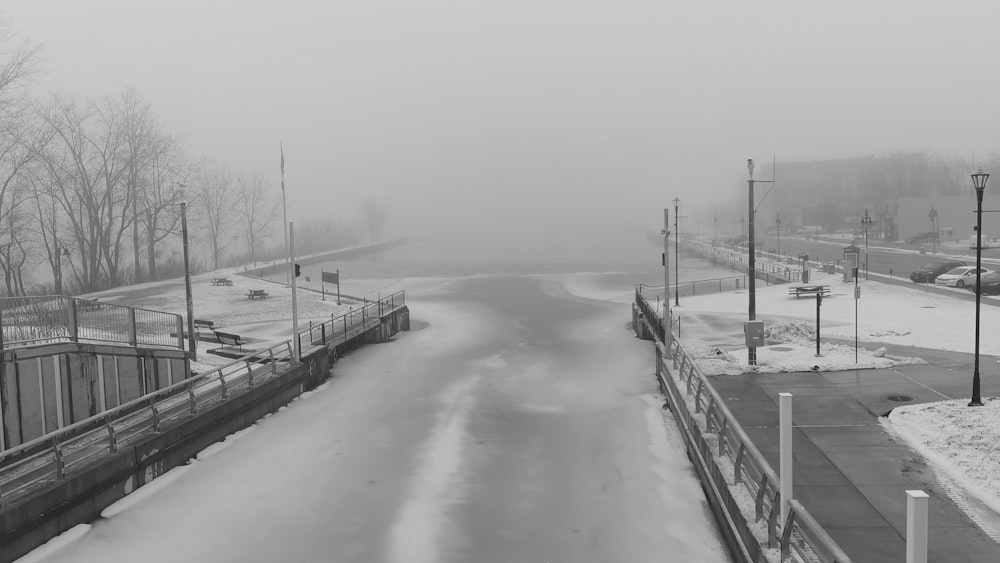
979,182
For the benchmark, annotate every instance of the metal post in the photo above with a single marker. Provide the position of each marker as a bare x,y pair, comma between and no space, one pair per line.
785,454
297,353
976,399
667,336
916,526
677,256
751,264
193,348
819,303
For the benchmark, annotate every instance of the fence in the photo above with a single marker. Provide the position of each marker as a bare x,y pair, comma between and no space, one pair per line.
26,321
730,460
341,329
770,267
51,456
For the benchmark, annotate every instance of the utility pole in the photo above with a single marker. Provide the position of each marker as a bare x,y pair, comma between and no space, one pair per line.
751,261
667,336
677,256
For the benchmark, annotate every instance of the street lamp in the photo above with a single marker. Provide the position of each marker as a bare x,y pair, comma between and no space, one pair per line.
677,254
192,346
866,221
934,227
979,182
715,229
742,223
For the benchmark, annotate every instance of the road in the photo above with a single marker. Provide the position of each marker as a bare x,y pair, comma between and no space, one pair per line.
514,423
896,259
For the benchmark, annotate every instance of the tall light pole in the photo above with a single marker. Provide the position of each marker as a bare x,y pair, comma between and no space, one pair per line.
979,182
715,229
934,227
667,337
743,221
751,265
677,256
192,346
866,221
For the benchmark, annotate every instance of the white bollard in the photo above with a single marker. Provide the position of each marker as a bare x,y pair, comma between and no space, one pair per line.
916,527
785,460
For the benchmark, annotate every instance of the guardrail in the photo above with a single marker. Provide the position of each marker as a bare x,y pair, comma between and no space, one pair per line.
26,321
340,329
51,456
731,458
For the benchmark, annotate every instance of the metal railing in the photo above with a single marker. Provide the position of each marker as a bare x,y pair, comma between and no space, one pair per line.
52,456
732,458
769,266
341,329
26,321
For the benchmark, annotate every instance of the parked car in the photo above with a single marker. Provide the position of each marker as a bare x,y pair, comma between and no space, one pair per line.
922,238
960,277
989,282
931,270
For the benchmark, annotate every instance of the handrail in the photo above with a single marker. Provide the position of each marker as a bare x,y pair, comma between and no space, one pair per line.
168,401
338,329
60,318
750,468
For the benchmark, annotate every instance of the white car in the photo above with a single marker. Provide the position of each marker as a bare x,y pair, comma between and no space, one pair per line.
960,277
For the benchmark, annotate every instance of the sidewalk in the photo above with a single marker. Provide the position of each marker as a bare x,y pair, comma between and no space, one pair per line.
849,472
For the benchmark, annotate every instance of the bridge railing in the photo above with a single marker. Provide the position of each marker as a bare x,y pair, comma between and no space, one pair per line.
731,458
52,456
27,321
344,327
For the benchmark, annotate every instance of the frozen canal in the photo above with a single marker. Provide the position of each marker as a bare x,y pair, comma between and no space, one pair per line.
515,422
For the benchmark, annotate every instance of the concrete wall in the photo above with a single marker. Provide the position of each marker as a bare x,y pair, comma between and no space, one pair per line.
80,498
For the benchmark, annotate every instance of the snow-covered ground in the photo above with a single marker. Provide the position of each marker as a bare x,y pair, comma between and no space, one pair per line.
958,440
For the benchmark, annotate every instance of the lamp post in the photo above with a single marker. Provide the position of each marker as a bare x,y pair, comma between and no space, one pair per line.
742,223
751,264
715,229
866,221
934,227
192,347
979,182
677,254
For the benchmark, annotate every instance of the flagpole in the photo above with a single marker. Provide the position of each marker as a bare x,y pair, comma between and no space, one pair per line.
284,217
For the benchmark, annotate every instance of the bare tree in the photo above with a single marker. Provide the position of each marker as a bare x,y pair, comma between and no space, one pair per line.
218,203
258,209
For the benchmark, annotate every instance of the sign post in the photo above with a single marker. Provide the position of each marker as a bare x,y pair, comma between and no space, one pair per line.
331,277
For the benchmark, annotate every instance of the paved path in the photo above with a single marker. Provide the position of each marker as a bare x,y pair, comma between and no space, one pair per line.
849,473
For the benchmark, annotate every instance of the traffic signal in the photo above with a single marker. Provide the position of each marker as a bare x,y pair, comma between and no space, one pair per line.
298,270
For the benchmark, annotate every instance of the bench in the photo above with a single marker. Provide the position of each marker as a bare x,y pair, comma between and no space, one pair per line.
222,281
256,294
800,290
229,339
201,323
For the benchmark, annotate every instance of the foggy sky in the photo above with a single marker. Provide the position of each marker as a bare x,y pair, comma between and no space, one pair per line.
533,130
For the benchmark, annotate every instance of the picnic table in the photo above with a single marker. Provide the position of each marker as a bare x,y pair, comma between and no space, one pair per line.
800,290
256,294
222,281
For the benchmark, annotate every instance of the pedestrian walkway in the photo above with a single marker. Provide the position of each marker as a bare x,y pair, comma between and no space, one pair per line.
849,472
